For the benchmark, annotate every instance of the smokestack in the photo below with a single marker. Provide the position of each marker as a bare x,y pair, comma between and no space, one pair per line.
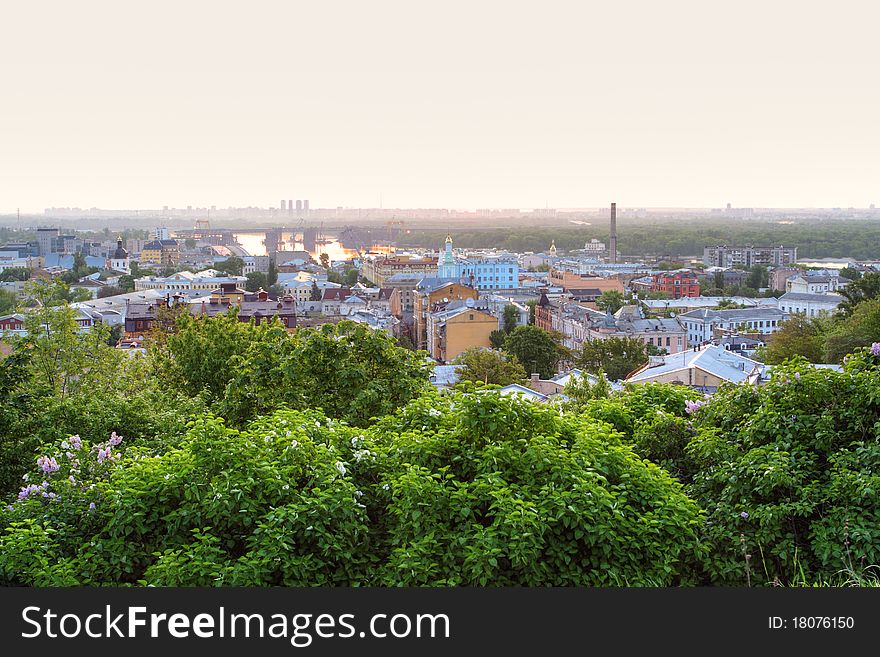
612,247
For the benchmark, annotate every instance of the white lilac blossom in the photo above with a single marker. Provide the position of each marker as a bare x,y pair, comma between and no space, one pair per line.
361,454
340,466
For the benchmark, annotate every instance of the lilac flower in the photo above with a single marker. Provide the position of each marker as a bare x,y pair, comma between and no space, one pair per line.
797,375
32,489
76,442
91,506
692,407
70,455
744,515
103,454
875,349
340,466
114,439
48,464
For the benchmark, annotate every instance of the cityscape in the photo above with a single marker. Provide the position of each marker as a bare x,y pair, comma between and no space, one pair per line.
393,298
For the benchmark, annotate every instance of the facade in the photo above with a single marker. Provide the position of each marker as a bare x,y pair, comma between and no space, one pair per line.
12,324
570,281
749,256
701,326
379,269
47,240
483,272
779,275
119,260
677,284
165,253
594,247
811,305
807,283
11,260
205,281
405,285
431,295
457,327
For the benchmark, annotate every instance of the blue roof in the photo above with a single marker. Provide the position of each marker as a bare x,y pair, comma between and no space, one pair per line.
66,261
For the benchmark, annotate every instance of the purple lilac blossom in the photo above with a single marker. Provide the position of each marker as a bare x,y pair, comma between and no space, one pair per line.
76,442
48,464
875,349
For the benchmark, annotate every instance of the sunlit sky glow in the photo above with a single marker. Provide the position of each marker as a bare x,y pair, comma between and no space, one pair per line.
448,104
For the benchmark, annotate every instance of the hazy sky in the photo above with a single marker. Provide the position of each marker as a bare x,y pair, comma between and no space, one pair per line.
443,104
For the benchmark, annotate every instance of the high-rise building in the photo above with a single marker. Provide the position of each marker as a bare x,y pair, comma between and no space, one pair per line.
612,246
299,207
749,256
162,233
47,239
290,207
306,206
283,205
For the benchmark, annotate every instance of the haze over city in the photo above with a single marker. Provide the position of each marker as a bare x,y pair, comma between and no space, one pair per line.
464,105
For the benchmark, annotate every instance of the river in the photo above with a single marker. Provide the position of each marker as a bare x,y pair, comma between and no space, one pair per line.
253,244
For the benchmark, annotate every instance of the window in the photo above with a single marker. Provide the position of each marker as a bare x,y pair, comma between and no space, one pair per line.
471,317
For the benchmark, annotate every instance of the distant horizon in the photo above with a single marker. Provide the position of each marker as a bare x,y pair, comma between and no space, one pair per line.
450,208
466,105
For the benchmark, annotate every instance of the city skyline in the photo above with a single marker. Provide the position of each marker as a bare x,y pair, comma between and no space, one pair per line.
393,105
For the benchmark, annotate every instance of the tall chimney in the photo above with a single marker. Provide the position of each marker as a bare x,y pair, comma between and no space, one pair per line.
612,246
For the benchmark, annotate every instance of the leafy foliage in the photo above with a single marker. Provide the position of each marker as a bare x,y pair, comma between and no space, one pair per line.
787,473
535,348
500,492
488,366
617,357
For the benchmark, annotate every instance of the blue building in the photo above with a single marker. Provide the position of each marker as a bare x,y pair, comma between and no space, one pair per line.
485,272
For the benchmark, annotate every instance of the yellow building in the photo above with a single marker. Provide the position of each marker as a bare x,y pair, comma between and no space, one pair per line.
457,328
379,269
161,252
431,296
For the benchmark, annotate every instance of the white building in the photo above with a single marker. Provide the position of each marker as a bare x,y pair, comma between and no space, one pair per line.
184,281
812,284
700,325
119,260
811,305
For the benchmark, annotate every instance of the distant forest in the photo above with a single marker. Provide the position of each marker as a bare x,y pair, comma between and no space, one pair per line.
838,239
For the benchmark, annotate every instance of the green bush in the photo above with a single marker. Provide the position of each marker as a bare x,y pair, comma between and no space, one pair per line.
468,489
788,474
